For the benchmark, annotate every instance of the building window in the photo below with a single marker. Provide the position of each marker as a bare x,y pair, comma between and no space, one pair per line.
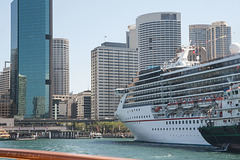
150,40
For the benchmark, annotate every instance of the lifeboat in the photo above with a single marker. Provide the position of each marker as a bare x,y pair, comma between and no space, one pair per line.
205,102
188,103
172,105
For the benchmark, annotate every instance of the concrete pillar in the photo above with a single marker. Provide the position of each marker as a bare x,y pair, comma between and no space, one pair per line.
49,135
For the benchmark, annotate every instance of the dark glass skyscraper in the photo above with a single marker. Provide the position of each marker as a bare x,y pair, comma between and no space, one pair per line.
31,57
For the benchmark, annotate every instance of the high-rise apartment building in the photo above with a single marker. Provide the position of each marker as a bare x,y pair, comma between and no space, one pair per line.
112,66
61,66
31,58
159,36
218,40
5,102
131,37
84,105
5,79
198,34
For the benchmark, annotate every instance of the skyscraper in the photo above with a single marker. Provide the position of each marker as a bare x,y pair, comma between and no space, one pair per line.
159,36
197,34
131,37
218,40
5,103
31,58
61,66
112,66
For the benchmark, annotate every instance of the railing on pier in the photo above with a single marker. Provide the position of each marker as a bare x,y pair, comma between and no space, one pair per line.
48,155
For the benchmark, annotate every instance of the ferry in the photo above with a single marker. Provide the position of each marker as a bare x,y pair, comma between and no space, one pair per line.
168,104
26,136
97,136
223,125
4,135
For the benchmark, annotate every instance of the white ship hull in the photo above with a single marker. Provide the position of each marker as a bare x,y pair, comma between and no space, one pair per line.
145,127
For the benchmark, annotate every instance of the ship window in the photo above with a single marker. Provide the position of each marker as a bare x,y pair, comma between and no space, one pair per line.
182,122
189,121
164,129
176,128
179,122
236,104
175,122
182,128
201,121
186,122
152,129
194,128
169,122
158,129
172,122
179,128
236,92
193,121
190,128
172,128
197,121
169,128
186,128
166,122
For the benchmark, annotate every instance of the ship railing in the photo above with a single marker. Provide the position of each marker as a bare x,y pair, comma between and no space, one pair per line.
25,154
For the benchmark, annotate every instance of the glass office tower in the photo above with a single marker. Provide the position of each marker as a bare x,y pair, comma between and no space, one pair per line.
31,56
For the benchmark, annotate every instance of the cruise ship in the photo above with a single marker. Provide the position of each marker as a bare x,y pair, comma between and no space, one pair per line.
168,104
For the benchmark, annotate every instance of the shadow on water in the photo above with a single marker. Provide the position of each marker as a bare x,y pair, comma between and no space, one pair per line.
193,148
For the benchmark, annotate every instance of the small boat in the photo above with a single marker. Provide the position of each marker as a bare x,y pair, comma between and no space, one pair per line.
25,136
4,135
205,102
97,136
188,103
172,105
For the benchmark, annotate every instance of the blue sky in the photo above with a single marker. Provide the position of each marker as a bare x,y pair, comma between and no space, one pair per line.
85,23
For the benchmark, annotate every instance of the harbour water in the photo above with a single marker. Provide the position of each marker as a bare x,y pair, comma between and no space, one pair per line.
126,148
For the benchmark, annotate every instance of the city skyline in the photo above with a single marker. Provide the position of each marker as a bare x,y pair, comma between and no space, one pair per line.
86,32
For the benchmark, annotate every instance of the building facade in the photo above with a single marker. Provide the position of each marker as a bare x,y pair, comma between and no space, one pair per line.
84,105
112,66
198,34
31,58
159,36
64,106
131,37
61,66
218,40
5,102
